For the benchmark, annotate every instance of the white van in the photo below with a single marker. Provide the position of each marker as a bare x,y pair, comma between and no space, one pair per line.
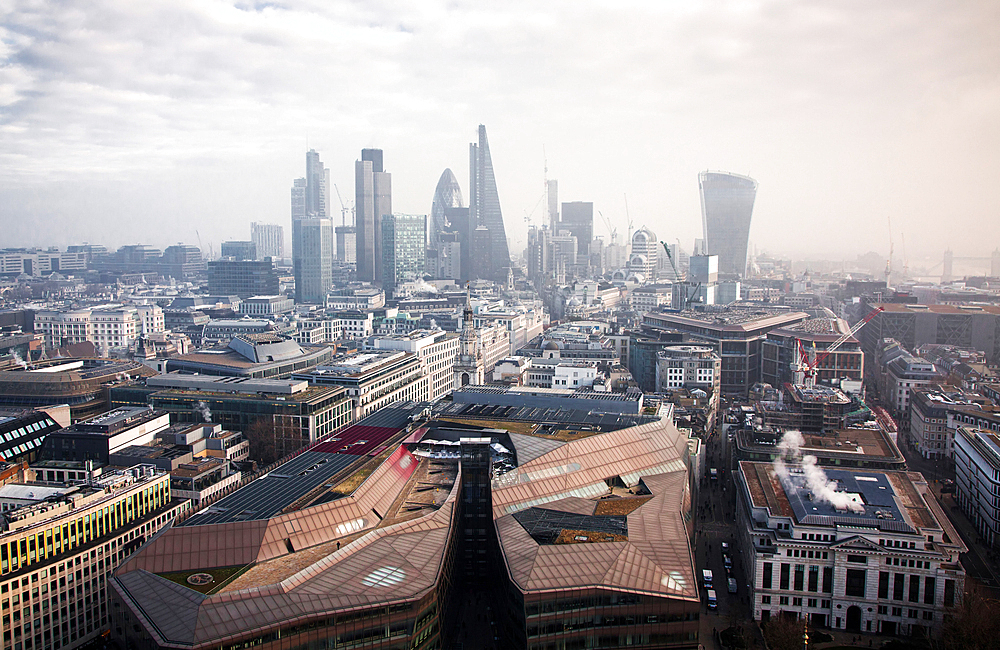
713,602
706,578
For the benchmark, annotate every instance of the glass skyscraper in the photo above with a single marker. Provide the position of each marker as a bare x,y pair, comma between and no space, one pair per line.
448,194
404,248
484,206
312,232
726,208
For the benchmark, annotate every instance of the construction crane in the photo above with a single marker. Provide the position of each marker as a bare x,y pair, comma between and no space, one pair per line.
629,219
888,264
611,230
691,297
343,208
808,364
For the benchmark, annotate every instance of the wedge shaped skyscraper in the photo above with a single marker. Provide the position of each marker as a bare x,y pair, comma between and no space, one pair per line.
447,195
484,205
726,209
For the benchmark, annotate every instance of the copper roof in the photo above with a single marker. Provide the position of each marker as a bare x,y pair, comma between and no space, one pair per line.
655,559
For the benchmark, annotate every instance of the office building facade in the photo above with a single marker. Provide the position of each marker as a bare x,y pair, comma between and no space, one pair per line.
726,209
243,279
484,207
269,238
578,219
404,248
373,198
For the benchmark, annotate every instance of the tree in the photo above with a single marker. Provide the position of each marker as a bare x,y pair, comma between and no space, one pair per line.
260,433
783,632
973,625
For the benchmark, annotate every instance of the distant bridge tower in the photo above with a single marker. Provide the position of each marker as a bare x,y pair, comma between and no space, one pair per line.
946,272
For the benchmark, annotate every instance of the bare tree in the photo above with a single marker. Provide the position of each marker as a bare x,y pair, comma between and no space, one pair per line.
783,633
260,433
973,625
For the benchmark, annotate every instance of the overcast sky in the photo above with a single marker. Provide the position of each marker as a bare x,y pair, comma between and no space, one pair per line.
143,121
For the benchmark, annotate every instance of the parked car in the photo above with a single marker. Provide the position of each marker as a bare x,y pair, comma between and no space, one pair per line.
732,585
713,602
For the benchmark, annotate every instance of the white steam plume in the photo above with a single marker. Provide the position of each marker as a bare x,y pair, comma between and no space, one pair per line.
202,408
816,480
18,359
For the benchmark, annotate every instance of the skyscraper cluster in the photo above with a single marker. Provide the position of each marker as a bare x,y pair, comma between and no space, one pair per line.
312,232
454,241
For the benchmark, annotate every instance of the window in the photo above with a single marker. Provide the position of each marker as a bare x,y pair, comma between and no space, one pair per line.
827,579
897,586
765,600
855,584
929,591
883,584
914,589
799,577
783,580
814,578
766,579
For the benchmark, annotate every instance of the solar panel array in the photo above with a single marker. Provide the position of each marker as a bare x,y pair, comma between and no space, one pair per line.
272,493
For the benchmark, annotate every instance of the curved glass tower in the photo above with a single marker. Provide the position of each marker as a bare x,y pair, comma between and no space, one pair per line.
447,195
726,208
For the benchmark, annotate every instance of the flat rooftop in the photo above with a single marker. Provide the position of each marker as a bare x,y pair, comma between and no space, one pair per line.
227,384
296,478
900,308
888,500
735,318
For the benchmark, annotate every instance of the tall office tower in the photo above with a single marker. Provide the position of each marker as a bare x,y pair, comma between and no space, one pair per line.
726,208
552,194
312,261
372,200
404,248
298,199
317,177
269,238
448,194
312,233
482,253
484,207
578,219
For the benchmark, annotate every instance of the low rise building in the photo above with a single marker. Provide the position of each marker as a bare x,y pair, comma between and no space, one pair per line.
258,356
22,431
293,412
736,333
977,480
96,439
57,555
267,306
107,327
874,554
373,379
688,366
436,350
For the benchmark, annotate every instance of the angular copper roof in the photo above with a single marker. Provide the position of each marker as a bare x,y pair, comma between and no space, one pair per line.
657,557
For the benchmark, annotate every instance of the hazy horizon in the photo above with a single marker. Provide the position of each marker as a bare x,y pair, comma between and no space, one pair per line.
144,122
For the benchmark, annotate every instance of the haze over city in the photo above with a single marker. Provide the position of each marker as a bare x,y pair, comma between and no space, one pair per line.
126,122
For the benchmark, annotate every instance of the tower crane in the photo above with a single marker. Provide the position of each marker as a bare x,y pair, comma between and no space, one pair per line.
688,297
611,230
808,364
629,219
343,208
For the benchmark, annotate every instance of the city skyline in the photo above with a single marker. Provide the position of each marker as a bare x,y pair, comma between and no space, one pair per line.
822,105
